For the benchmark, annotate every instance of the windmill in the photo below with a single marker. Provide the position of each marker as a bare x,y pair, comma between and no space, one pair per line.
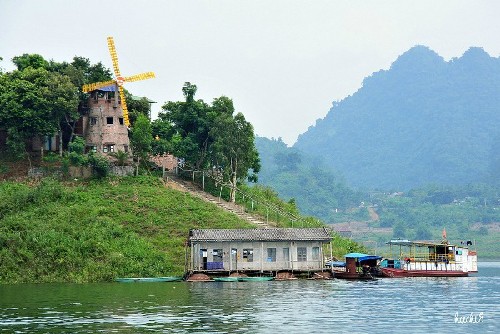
118,81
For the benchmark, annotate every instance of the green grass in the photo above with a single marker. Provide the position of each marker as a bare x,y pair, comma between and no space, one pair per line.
95,231
98,230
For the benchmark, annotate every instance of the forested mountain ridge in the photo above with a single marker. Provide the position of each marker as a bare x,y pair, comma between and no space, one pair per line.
316,190
425,120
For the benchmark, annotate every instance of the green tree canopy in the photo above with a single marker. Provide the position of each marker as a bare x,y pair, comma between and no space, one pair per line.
141,139
234,149
34,101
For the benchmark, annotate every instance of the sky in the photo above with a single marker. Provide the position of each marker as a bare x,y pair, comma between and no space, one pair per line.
282,62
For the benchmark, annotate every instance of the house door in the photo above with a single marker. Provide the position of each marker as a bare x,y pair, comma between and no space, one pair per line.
234,259
203,258
286,258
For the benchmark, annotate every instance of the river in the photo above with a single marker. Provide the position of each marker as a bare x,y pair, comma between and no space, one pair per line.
413,305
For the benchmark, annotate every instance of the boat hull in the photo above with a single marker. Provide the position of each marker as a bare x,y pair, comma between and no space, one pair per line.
148,279
352,276
255,279
226,279
394,272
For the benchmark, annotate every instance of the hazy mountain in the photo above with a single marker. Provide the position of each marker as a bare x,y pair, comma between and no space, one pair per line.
425,120
317,190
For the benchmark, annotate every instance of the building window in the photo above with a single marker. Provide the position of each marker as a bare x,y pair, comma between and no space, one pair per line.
271,255
93,120
109,120
91,148
108,148
301,254
248,255
120,119
315,253
125,148
217,255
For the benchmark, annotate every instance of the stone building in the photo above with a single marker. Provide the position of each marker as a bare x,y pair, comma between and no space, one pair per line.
102,123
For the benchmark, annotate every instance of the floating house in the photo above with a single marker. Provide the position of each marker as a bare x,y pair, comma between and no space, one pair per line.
258,250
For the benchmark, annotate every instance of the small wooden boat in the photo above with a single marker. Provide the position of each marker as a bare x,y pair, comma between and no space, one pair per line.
255,279
226,279
358,266
148,279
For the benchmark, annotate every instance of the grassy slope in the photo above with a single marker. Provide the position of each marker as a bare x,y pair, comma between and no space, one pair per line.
96,231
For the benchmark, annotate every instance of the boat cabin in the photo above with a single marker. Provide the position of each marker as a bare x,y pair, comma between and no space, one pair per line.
258,250
416,255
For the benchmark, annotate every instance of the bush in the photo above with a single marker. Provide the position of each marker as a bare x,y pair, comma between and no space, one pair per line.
100,165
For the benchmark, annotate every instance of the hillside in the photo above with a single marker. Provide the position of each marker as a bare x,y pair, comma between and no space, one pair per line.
96,231
93,231
316,190
424,120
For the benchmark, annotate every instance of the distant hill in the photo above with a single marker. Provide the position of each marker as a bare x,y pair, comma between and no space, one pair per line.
316,189
425,120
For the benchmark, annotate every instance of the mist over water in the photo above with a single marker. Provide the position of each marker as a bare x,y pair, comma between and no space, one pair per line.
415,305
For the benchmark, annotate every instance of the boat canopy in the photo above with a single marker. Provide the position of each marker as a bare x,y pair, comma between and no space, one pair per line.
408,243
363,257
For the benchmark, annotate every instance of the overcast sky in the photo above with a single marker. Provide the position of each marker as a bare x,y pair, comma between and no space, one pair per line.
282,62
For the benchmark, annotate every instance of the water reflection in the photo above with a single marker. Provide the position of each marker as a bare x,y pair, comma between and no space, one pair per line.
415,304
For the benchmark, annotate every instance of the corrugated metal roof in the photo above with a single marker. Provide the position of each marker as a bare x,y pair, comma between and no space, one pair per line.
267,234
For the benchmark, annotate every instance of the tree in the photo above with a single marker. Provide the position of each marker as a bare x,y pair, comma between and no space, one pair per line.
33,102
234,151
136,106
30,60
191,121
141,139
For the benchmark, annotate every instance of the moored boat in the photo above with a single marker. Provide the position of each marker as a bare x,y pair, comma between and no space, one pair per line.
227,279
255,279
428,259
358,266
148,279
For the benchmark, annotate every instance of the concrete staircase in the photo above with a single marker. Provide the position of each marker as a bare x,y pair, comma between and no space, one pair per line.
194,190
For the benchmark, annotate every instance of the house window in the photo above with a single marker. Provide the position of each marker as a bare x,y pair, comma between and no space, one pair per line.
248,255
217,255
91,148
301,254
93,120
125,148
109,120
120,119
108,148
315,253
271,255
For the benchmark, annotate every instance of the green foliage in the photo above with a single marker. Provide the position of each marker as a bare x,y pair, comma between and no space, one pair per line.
141,139
76,154
318,191
121,157
234,151
34,101
100,165
98,230
136,106
30,60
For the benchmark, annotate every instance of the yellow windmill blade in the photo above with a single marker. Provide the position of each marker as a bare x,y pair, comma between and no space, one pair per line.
97,85
114,57
137,77
124,107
